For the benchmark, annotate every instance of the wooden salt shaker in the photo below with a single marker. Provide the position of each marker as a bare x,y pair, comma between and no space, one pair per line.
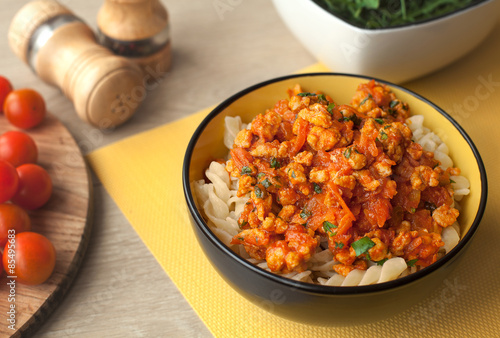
138,30
62,50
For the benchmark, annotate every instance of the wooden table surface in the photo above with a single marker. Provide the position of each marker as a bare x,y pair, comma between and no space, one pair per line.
219,48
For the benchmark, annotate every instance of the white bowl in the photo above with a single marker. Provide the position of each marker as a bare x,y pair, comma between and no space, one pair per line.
397,54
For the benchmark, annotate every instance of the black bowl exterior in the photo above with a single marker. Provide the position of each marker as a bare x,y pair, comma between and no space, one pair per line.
312,306
305,302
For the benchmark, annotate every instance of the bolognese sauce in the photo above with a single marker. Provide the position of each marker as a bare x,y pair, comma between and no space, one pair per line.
351,176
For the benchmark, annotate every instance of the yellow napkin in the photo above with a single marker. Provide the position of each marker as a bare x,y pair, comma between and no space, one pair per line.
143,176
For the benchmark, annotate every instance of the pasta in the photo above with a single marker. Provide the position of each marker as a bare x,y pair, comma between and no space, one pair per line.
223,204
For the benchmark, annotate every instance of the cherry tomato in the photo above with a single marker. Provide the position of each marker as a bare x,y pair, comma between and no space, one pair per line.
35,186
9,181
24,108
5,89
18,148
30,256
13,220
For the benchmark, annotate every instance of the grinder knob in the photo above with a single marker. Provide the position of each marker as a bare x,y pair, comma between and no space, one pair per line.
62,50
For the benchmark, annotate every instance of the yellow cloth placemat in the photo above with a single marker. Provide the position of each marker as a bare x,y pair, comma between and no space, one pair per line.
143,176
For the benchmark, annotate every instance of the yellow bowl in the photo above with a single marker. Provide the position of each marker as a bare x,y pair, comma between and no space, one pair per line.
318,304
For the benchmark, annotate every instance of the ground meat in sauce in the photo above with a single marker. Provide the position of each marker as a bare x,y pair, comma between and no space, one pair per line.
316,169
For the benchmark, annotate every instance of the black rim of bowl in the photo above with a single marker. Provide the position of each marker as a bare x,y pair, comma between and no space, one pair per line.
316,288
410,24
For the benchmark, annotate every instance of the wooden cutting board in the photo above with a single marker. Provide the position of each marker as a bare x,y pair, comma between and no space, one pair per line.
65,220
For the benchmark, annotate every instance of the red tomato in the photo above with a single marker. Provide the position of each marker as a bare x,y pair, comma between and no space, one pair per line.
5,89
24,108
9,181
35,187
30,257
18,148
13,220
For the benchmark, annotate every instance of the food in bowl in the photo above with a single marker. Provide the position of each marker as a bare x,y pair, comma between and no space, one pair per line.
335,194
317,304
397,54
389,13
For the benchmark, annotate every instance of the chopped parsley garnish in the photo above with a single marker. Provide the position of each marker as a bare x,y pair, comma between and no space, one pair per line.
330,108
411,262
305,213
382,261
347,153
365,99
266,183
383,135
260,175
328,227
362,245
412,210
274,163
339,245
317,188
354,118
393,103
451,181
379,120
246,170
304,94
242,224
322,97
257,191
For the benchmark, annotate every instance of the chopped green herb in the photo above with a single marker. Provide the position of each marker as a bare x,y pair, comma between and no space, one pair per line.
266,183
292,174
305,213
257,191
306,94
241,239
362,245
412,210
328,227
393,103
379,120
242,224
246,170
365,99
274,163
330,108
354,118
412,262
382,261
339,245
260,175
317,188
451,181
347,153
383,135
322,97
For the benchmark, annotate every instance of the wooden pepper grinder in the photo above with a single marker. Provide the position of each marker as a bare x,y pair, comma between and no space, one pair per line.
138,30
62,50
